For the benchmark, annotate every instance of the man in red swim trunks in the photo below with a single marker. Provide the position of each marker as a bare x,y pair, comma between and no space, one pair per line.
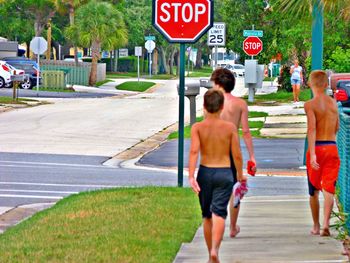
322,158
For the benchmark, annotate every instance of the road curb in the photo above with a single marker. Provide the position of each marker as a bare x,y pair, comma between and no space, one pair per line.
20,213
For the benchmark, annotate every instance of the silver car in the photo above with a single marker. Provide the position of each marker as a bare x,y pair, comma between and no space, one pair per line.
237,69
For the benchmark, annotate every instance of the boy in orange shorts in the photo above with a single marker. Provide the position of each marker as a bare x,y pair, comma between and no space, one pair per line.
214,139
322,158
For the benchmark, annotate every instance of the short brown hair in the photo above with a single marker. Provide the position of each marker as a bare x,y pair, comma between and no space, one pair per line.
224,78
213,100
318,79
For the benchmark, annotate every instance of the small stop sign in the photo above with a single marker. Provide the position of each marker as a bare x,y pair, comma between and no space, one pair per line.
252,46
182,21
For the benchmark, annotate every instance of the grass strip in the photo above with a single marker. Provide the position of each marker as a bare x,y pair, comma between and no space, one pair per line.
9,100
282,96
55,89
252,124
125,75
120,225
100,83
135,86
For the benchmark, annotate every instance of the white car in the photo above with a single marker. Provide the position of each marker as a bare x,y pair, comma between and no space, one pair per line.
5,75
237,69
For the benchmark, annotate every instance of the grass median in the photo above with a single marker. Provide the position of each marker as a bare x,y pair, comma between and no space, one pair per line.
255,126
135,86
10,100
122,225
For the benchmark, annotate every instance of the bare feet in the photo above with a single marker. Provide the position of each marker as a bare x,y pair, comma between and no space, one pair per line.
234,232
214,258
325,232
315,230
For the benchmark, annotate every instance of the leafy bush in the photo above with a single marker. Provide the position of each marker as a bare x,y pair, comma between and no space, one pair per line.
284,79
339,60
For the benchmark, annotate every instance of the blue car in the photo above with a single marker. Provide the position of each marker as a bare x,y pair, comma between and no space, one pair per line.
29,66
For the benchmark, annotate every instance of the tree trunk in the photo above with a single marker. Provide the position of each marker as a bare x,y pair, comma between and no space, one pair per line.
199,59
163,62
178,63
55,45
28,49
95,48
172,59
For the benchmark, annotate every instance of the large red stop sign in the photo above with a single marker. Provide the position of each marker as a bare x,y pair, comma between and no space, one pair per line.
252,46
182,20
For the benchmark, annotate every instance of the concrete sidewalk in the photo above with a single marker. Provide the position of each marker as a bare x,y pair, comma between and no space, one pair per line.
273,229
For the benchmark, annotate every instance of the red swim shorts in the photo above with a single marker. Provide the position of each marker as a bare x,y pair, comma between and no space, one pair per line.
325,178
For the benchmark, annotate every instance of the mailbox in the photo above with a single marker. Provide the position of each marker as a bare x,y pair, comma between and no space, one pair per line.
205,83
191,89
19,78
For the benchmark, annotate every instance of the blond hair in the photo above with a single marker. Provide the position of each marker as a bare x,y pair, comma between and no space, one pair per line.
318,79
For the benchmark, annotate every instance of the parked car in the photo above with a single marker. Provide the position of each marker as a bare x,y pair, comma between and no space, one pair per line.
5,75
237,69
29,66
342,93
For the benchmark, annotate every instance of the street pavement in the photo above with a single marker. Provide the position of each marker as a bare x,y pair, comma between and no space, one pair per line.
279,154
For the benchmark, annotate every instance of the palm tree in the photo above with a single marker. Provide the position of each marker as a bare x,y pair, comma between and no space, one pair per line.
98,25
302,7
70,5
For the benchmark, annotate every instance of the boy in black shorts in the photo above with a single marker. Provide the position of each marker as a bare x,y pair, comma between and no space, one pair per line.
214,139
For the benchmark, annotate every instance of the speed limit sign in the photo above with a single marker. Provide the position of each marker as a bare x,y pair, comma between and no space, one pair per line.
217,35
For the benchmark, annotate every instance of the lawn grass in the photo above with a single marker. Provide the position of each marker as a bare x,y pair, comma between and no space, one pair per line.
9,100
135,86
121,225
252,124
282,96
100,83
203,72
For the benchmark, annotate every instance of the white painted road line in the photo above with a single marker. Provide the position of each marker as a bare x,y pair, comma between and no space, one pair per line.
60,185
33,196
37,191
55,164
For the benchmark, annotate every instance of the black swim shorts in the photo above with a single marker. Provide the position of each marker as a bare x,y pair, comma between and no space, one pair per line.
216,188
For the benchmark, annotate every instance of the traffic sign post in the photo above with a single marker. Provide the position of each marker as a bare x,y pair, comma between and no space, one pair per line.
252,46
138,53
181,21
39,46
150,45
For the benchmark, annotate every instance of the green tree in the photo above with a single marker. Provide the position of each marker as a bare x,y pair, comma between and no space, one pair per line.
98,25
69,6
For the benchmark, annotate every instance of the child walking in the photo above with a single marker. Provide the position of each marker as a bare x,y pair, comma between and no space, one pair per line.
214,139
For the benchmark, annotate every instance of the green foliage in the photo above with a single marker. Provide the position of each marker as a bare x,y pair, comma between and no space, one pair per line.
339,60
284,79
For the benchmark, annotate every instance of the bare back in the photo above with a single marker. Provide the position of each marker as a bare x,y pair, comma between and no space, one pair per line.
233,108
326,116
215,137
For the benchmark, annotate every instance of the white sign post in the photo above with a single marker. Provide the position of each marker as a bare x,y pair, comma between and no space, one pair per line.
150,45
39,46
217,37
138,53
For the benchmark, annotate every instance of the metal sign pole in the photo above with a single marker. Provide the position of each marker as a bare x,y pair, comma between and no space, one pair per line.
216,56
181,115
37,76
138,68
150,64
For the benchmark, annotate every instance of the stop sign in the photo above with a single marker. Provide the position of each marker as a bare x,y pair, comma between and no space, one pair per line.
182,21
252,46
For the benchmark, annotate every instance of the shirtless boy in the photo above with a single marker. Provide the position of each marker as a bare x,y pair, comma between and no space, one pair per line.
214,139
322,158
235,111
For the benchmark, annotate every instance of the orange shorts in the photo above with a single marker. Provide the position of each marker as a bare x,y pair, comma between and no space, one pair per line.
325,178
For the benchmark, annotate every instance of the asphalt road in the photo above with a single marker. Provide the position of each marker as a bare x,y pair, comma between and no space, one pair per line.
43,178
49,94
269,154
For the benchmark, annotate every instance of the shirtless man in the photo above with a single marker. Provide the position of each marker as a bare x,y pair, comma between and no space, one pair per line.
235,111
322,158
214,139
